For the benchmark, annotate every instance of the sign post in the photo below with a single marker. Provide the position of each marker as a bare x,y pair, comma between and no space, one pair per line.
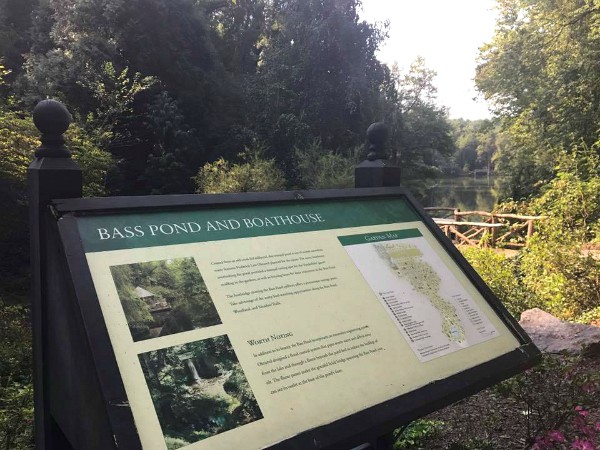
53,174
284,320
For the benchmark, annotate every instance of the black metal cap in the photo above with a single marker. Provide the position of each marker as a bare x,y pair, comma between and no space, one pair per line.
52,118
377,134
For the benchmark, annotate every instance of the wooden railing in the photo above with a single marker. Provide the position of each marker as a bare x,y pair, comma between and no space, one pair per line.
485,229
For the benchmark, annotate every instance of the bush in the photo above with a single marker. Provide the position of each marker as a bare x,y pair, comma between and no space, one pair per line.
552,271
16,391
566,282
572,199
253,174
503,276
555,398
320,169
18,141
415,435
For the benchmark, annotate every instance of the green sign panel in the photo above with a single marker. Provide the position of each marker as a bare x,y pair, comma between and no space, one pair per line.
102,233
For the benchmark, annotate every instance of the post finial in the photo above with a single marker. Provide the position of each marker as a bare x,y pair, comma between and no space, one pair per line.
52,118
377,134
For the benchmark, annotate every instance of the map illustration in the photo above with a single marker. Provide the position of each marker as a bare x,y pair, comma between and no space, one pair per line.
419,292
406,262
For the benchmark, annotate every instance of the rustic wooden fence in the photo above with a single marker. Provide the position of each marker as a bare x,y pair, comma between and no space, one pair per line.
484,229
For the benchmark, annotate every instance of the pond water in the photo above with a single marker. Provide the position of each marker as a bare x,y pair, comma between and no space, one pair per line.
466,193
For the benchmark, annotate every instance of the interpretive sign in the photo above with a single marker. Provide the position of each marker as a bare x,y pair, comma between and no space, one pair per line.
298,320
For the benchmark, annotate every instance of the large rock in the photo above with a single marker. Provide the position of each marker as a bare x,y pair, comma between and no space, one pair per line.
553,335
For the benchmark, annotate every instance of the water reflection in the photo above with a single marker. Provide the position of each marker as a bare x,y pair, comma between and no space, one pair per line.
466,193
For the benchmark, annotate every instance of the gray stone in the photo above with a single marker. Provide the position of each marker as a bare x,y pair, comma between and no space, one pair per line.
553,335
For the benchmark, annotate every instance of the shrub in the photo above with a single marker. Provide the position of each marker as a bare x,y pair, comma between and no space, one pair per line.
16,392
18,141
415,435
254,173
503,276
555,398
322,169
572,199
566,282
560,279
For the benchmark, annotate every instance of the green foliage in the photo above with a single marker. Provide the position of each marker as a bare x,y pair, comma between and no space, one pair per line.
16,392
318,169
414,436
318,63
114,94
476,144
198,390
175,150
18,141
107,63
552,397
420,133
94,162
174,443
192,297
254,173
566,282
542,74
178,289
552,273
572,199
15,20
135,309
190,82
239,29
503,276
548,274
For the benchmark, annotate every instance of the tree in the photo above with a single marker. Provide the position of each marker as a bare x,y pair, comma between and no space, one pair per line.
542,74
239,32
317,77
420,131
136,310
176,151
112,65
476,144
15,21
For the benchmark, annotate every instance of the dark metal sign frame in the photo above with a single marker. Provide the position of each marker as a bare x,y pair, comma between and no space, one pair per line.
363,426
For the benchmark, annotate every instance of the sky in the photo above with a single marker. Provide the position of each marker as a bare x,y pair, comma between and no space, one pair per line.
448,34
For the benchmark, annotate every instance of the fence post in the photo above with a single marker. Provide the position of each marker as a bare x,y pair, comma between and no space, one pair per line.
529,231
376,170
456,214
52,174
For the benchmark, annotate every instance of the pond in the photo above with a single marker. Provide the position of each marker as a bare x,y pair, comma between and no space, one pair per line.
465,193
